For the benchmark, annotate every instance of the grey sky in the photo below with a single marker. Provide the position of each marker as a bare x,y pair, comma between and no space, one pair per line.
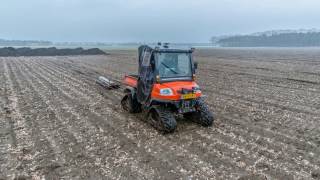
150,20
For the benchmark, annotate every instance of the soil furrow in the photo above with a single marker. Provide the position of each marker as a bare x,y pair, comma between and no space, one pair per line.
273,136
7,135
79,111
263,126
83,166
55,105
28,151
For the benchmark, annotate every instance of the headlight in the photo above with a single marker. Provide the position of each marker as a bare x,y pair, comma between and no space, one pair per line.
197,89
166,92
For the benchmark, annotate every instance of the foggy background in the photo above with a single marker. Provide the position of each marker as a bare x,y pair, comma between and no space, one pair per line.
150,21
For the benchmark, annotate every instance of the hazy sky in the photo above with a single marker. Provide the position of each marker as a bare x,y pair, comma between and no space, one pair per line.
150,20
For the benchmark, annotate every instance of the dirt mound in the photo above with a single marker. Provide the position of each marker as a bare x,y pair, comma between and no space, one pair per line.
10,51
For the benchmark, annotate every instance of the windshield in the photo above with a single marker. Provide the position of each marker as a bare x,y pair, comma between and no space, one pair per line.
172,65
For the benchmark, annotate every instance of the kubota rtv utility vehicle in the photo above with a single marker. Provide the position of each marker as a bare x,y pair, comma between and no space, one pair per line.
165,87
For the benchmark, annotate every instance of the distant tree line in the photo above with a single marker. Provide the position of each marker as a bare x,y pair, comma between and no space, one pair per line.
273,40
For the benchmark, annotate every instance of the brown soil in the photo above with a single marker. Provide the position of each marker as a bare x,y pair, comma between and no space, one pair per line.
54,123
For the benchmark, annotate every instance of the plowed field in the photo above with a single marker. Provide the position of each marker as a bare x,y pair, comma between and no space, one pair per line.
56,124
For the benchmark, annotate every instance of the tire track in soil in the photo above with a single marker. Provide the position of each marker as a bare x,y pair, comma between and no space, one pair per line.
116,134
279,172
144,137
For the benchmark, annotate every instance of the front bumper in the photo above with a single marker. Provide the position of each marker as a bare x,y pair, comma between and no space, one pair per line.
180,106
186,106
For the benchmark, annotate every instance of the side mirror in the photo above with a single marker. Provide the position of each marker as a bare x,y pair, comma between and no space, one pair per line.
195,65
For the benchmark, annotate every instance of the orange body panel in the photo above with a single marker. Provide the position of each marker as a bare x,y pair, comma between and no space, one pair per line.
175,86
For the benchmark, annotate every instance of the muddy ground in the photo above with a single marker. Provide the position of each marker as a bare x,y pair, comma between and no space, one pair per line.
54,124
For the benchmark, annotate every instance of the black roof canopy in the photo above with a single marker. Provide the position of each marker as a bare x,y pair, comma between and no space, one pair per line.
167,48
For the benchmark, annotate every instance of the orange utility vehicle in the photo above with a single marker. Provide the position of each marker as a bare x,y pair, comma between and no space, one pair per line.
165,87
